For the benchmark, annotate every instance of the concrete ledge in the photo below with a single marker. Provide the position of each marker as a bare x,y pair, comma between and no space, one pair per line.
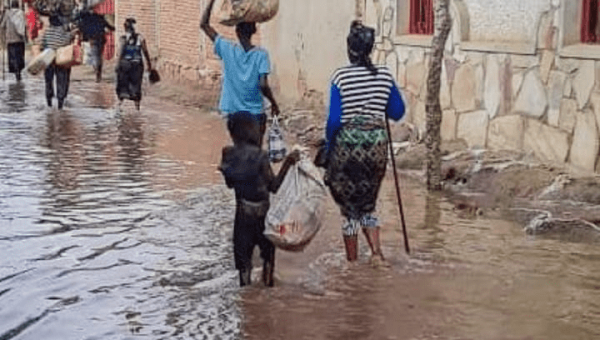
510,48
581,51
413,40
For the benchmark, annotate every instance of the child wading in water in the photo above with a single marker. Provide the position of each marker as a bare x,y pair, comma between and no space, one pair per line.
246,169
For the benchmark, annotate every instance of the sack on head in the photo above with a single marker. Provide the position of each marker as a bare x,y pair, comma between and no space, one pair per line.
233,12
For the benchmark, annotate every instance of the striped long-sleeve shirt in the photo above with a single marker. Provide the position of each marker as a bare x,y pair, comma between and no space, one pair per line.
56,36
356,91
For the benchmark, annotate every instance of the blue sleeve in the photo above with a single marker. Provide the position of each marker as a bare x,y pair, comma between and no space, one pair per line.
334,120
395,106
221,46
264,65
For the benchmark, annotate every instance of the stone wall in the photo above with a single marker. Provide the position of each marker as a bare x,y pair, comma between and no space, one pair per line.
538,95
508,20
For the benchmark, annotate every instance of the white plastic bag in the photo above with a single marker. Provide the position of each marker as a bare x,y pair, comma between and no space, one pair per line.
39,63
88,58
18,20
297,209
277,149
232,12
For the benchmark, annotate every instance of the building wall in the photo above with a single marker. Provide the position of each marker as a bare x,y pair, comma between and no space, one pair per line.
180,40
180,50
145,13
508,20
307,42
515,76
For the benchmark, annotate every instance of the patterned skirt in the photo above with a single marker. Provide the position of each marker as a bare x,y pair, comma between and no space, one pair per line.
129,80
356,167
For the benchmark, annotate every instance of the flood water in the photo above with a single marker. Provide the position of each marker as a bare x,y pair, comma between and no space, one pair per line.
119,227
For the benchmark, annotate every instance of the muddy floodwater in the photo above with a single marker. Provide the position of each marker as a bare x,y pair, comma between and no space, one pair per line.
119,227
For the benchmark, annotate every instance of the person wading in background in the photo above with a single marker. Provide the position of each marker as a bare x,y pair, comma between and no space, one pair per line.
245,72
13,29
130,69
93,28
58,34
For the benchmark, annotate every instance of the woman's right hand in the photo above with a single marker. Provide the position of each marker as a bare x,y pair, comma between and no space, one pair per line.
294,157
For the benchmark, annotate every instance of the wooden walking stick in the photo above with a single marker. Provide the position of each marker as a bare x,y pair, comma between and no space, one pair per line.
398,196
4,62
4,46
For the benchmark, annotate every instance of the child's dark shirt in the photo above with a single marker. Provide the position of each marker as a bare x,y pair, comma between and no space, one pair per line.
247,170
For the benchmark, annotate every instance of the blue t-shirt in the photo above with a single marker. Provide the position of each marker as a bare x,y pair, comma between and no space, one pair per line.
241,76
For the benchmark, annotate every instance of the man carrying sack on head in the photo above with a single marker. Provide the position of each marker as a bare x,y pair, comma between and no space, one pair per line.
245,71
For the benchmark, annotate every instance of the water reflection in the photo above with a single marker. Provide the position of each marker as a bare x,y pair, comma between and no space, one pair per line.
86,219
16,97
65,137
131,141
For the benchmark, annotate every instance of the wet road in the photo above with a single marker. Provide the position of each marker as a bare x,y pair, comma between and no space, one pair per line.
118,227
108,227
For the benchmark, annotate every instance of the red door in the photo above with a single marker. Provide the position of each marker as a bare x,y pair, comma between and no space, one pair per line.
421,17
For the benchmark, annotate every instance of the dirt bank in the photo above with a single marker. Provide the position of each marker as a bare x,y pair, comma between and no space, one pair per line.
477,181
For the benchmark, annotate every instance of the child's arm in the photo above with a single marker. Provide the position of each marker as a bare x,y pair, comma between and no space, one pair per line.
205,22
290,160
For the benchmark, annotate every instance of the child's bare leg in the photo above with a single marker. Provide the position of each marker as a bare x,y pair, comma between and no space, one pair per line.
267,250
245,276
243,245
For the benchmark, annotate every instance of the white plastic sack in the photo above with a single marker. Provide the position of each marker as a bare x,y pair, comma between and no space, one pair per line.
232,12
297,209
88,58
39,63
277,148
17,18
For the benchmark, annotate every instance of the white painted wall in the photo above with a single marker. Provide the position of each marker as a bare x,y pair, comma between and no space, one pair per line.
505,20
307,42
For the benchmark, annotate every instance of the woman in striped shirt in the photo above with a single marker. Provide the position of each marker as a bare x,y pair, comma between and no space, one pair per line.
57,34
362,96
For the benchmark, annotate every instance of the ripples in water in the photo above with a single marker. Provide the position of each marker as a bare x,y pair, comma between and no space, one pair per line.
95,248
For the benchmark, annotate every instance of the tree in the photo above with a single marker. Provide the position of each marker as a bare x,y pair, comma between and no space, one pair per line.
443,25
